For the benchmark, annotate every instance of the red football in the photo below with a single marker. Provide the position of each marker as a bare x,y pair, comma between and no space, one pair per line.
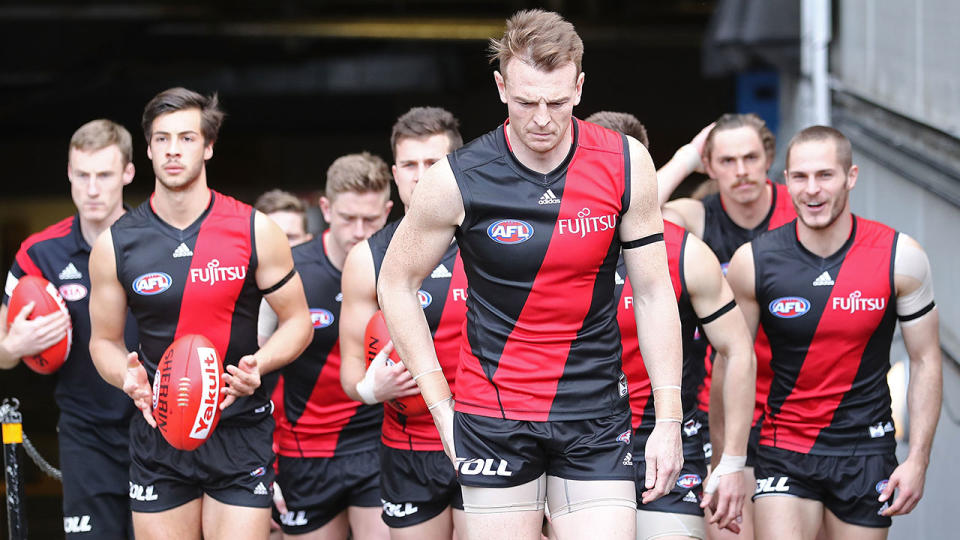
376,337
46,300
186,391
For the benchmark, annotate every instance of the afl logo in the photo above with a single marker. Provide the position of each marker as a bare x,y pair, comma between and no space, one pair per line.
321,318
789,307
688,481
152,283
510,231
882,485
425,299
73,291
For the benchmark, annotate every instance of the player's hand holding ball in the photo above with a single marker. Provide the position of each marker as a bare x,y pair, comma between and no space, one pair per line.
240,380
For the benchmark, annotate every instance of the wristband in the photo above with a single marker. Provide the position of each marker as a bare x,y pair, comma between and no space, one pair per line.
727,465
438,403
427,372
667,405
432,384
677,420
365,386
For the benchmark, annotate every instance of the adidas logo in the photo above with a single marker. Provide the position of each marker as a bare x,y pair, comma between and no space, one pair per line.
182,251
441,272
690,497
70,272
628,459
548,198
260,489
823,280
617,280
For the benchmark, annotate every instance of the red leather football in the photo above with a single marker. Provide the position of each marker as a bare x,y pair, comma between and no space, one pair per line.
376,337
186,391
46,300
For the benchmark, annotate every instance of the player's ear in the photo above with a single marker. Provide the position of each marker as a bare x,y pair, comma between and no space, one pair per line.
208,151
501,85
852,176
325,208
128,173
580,78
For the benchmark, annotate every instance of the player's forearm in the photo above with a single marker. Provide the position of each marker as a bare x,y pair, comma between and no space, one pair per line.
110,359
411,337
739,398
8,357
924,395
286,344
658,331
718,375
351,373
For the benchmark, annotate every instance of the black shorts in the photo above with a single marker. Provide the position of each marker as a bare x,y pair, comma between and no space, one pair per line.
753,444
416,486
848,486
317,489
701,423
687,492
95,461
493,452
234,466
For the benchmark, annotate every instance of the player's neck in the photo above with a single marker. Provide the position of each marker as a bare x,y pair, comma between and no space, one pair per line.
827,241
335,253
751,214
541,162
91,229
181,207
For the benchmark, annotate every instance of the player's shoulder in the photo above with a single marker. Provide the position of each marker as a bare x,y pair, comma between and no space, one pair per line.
133,218
685,212
227,205
50,236
595,137
308,252
486,148
870,229
382,237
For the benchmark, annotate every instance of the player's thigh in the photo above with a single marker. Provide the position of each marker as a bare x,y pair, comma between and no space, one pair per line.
521,525
459,523
786,517
223,521
439,527
181,522
836,529
514,512
667,525
96,472
597,508
365,523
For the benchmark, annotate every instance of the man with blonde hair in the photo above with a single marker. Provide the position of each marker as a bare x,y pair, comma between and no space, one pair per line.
540,208
328,466
94,416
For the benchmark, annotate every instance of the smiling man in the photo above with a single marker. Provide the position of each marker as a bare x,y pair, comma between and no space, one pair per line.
828,289
540,208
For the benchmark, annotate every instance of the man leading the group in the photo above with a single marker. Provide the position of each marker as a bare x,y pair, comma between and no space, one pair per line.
193,261
540,208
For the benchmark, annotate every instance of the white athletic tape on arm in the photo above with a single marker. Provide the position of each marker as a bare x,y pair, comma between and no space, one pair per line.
727,465
266,320
365,386
913,262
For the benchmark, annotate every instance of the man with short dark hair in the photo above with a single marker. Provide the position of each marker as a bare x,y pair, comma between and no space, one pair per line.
418,488
209,259
828,289
93,429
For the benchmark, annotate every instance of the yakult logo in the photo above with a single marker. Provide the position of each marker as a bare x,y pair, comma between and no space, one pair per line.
214,273
855,303
585,223
210,379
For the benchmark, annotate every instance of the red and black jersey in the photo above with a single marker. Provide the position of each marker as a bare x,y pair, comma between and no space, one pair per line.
724,237
830,322
443,297
197,280
540,251
641,398
315,417
60,255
